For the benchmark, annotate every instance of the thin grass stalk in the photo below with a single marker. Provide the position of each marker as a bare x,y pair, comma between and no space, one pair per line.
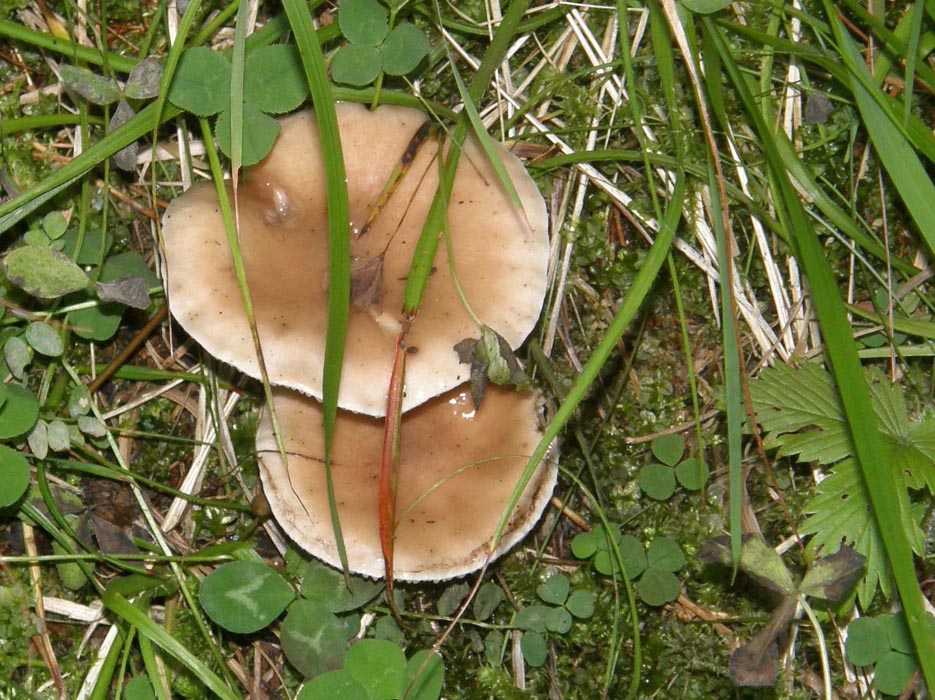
845,364
339,250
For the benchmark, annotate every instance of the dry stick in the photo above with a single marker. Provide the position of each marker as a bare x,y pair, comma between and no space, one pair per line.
131,348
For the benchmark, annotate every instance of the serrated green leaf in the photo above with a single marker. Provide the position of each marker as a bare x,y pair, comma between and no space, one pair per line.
43,272
840,512
201,83
356,64
96,89
404,49
274,80
363,21
14,476
259,134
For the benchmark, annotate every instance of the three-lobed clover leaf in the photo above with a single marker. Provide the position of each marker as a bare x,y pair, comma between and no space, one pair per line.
658,480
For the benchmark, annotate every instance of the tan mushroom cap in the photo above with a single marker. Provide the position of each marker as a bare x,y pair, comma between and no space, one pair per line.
501,257
474,459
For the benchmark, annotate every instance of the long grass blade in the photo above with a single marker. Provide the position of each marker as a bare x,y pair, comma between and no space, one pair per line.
845,364
339,250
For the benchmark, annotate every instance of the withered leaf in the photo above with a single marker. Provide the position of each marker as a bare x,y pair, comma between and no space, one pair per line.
130,291
756,663
367,283
491,359
757,560
831,577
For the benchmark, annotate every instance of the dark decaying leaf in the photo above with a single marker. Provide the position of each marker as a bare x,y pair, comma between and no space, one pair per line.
831,577
111,538
144,80
125,158
367,283
491,359
96,89
757,559
756,663
130,291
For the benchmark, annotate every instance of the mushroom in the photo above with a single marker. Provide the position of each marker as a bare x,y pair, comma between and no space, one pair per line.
458,469
500,255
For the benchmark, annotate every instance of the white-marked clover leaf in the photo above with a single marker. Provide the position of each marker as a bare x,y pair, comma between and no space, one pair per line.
19,412
332,685
363,22
201,84
274,79
79,401
244,596
356,64
259,134
313,639
43,272
328,588
404,49
96,89
44,339
668,449
657,481
14,476
425,676
379,666
554,589
90,425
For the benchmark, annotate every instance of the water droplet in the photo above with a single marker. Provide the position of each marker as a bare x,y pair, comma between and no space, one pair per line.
281,208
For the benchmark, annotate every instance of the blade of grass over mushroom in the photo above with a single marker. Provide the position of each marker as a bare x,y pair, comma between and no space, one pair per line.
339,251
842,354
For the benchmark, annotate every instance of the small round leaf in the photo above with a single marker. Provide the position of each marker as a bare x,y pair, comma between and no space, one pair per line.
897,632
692,474
668,449
313,639
17,354
356,64
43,272
19,413
331,685
534,649
54,224
404,49
657,481
581,604
451,598
665,554
633,554
44,339
244,596
866,641
488,598
274,80
14,476
558,620
59,439
363,21
202,82
259,134
584,545
38,440
379,666
893,672
144,80
95,88
554,589
425,676
532,618
705,7
327,587
657,587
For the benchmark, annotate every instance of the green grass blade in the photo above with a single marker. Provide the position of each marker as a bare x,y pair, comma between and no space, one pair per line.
842,354
339,250
121,607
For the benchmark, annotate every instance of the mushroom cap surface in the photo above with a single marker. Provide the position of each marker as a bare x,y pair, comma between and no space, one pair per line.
500,255
473,458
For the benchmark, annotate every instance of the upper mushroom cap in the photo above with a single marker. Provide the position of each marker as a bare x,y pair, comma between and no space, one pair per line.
500,256
459,467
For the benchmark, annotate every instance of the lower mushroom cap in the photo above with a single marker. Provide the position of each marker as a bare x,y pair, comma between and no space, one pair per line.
501,256
458,470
